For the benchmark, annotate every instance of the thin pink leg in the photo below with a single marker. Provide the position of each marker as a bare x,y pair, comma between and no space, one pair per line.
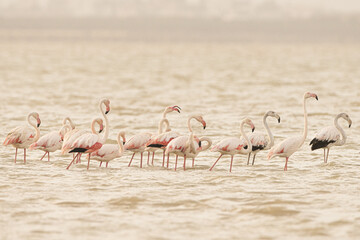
167,163
184,162
48,156
285,168
152,161
72,161
15,154
79,157
148,161
324,156
327,155
107,164
131,160
25,155
176,162
141,159
215,162
193,162
232,158
164,160
43,156
100,164
88,161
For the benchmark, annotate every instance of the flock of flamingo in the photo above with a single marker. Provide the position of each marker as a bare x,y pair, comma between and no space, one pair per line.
78,141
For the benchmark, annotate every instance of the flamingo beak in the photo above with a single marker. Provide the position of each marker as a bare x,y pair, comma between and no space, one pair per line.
107,110
252,128
38,123
124,143
101,128
316,97
176,108
279,120
204,124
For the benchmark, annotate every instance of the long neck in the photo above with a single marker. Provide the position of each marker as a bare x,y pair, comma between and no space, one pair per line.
269,133
121,145
190,143
188,123
93,127
207,146
342,132
37,136
164,113
249,149
161,123
106,134
305,124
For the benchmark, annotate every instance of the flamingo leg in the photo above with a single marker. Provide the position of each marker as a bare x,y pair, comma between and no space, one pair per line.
88,162
25,155
43,156
131,160
141,159
15,154
248,158
152,160
72,161
215,162
164,160
193,162
324,156
100,164
167,163
231,163
175,161
107,164
79,157
285,168
253,159
48,156
327,155
184,162
148,160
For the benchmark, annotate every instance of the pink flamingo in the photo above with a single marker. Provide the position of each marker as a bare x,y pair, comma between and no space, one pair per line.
290,145
23,136
109,152
187,146
153,141
234,145
260,141
90,142
330,136
51,141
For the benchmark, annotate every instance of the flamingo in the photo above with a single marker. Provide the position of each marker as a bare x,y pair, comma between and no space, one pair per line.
290,145
330,136
234,145
161,140
90,142
137,143
109,152
51,141
155,146
187,146
260,141
23,136
68,121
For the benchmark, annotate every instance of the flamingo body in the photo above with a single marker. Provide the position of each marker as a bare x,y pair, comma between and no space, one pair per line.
20,137
137,143
49,142
229,146
326,137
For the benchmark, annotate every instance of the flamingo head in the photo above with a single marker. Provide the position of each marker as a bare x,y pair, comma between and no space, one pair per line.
37,117
310,95
250,123
273,114
200,119
346,117
101,124
122,135
106,102
172,108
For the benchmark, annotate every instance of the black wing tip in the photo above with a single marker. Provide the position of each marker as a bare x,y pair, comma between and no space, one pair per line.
81,150
317,144
155,145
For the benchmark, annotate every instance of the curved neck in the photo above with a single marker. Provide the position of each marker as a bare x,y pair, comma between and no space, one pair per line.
305,123
164,113
67,119
106,134
269,133
121,145
188,123
37,136
249,149
207,146
161,123
93,127
190,143
341,130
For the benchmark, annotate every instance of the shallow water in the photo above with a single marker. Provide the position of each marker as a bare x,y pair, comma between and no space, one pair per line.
224,82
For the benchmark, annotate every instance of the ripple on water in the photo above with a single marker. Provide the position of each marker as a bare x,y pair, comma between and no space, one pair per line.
276,211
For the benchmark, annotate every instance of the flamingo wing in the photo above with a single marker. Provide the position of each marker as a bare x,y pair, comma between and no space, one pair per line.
162,140
285,148
19,135
325,137
51,141
229,144
137,141
106,151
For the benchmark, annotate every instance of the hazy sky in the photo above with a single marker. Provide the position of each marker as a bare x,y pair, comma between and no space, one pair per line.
224,9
